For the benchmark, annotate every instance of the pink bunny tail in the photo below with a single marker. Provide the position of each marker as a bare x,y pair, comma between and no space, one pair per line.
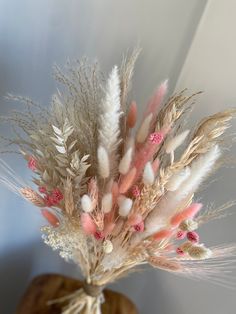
188,212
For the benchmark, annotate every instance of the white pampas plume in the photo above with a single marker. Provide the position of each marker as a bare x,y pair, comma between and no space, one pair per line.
144,129
125,205
175,142
126,161
110,117
177,179
107,203
200,168
86,203
148,174
103,162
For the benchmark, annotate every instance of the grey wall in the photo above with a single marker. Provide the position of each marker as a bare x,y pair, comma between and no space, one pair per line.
34,35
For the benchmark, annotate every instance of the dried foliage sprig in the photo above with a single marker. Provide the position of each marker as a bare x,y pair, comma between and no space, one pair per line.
114,198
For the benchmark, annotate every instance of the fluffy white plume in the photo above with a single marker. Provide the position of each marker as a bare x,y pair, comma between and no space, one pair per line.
200,168
107,203
110,117
148,174
176,141
103,162
144,129
160,215
86,203
125,206
177,179
126,161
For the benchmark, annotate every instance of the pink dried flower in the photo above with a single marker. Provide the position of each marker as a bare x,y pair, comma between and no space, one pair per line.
193,236
139,227
57,195
99,235
49,201
179,251
181,235
32,163
42,190
156,138
135,191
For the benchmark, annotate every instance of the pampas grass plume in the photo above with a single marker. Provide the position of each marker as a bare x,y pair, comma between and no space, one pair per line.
177,179
110,117
200,168
103,162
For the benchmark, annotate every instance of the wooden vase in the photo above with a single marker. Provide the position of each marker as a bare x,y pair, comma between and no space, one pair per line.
52,286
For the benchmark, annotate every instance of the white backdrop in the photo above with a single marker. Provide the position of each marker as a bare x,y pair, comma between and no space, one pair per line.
36,34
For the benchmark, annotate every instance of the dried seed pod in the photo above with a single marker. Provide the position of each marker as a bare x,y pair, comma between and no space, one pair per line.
107,246
186,246
199,252
188,225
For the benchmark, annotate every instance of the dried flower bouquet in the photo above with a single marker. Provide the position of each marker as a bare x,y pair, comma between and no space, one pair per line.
114,198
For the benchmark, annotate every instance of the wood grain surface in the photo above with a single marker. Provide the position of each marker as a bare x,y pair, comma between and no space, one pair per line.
51,286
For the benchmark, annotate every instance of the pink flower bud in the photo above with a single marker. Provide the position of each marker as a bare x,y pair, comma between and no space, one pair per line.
179,251
139,227
99,235
57,195
156,138
135,191
193,236
49,201
181,235
42,190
